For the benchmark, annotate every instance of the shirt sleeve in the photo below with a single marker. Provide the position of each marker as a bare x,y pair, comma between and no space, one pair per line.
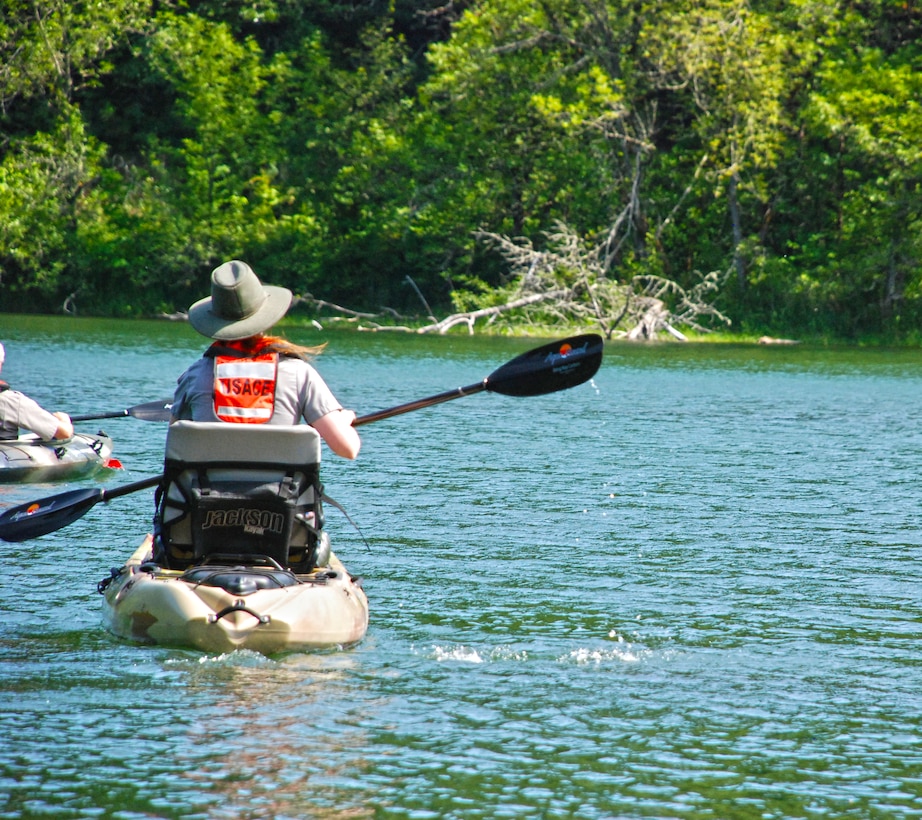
194,399
320,399
313,397
24,412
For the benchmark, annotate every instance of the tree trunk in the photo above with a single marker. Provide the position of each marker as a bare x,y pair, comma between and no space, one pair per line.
735,220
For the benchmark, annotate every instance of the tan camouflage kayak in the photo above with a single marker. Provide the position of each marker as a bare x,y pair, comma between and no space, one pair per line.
218,608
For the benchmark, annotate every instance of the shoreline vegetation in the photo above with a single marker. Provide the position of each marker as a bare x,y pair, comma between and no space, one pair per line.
351,320
652,171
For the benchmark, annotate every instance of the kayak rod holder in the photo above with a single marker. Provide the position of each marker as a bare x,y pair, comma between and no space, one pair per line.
238,606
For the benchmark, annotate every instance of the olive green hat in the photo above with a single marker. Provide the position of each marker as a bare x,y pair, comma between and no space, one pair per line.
240,305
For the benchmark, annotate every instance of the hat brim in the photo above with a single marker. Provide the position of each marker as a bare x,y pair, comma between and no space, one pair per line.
278,300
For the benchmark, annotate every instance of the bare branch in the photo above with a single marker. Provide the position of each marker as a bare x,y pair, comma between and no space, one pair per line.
469,318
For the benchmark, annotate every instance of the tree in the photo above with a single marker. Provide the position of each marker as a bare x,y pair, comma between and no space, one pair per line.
49,165
49,49
556,88
867,105
736,66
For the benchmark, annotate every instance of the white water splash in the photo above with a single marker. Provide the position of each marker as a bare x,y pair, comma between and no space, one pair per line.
466,654
583,656
457,653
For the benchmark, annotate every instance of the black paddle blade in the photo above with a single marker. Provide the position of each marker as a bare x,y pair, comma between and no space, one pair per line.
546,369
555,366
37,518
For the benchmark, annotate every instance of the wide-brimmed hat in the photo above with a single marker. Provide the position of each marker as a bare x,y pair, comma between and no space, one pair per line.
240,305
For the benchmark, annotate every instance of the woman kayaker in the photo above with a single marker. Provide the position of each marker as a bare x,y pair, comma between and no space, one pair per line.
18,410
249,377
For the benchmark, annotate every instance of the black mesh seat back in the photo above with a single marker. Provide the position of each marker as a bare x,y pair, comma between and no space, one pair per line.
239,489
242,519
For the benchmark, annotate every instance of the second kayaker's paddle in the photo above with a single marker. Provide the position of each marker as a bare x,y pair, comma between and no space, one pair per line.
35,518
546,369
150,411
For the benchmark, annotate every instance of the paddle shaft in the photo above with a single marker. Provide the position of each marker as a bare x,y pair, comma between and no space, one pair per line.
149,411
419,404
127,489
92,417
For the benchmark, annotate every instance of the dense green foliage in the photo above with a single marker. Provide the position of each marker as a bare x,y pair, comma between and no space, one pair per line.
356,151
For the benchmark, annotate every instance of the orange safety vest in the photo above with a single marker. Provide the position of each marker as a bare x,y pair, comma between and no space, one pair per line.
244,389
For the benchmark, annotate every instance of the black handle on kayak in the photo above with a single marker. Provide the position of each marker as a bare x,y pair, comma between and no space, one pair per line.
546,369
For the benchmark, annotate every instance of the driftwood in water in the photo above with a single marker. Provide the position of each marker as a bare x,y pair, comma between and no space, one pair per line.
177,316
566,285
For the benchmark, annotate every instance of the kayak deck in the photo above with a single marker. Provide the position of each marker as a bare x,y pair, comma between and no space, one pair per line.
221,608
30,459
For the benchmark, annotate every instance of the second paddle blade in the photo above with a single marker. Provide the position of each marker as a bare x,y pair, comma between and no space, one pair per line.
37,518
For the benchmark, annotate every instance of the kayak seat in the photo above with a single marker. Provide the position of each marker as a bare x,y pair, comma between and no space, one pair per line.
249,491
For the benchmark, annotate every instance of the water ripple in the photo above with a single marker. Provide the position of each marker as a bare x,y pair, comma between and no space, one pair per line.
685,590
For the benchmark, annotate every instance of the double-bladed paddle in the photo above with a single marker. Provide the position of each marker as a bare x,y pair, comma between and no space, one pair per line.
150,411
546,369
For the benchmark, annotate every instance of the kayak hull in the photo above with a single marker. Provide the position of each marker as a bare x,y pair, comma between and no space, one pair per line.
145,603
29,459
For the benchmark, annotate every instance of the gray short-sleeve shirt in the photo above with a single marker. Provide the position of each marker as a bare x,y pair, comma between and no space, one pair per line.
301,394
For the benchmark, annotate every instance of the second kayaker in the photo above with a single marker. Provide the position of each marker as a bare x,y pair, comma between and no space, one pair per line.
18,410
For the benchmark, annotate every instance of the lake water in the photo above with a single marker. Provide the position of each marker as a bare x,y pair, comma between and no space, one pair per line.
686,589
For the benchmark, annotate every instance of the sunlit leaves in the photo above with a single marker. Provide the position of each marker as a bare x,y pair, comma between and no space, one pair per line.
672,137
50,47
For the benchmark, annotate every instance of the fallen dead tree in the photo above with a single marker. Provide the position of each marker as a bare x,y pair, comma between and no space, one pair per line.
492,312
343,314
566,284
654,319
640,308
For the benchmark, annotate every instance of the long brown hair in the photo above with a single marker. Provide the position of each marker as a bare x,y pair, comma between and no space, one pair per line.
261,343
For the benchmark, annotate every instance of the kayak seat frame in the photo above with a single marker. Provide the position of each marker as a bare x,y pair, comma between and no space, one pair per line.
239,493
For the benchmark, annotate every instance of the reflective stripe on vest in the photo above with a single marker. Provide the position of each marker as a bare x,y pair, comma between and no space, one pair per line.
244,389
